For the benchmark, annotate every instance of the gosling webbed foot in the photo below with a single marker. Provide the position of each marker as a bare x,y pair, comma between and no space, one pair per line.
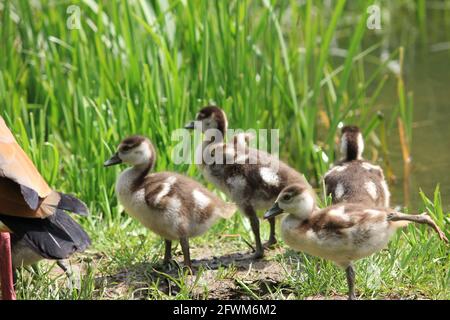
258,254
270,244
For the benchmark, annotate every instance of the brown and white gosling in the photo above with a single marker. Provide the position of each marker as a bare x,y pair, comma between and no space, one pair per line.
341,233
252,183
170,204
354,179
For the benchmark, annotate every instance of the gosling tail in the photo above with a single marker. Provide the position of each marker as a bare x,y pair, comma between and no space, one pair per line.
228,210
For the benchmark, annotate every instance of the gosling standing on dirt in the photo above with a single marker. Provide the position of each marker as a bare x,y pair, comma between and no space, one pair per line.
353,179
171,205
254,181
341,233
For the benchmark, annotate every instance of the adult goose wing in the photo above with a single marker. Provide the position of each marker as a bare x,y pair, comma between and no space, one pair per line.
23,191
17,166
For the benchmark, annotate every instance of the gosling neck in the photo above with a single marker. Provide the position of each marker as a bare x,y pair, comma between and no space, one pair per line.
212,137
142,171
352,147
305,209
216,135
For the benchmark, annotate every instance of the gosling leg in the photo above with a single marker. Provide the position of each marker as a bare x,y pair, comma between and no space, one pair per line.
272,238
15,276
351,282
254,222
63,267
167,252
423,218
185,248
72,283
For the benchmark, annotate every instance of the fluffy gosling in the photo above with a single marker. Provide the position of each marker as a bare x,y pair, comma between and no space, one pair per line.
341,233
170,204
252,182
354,179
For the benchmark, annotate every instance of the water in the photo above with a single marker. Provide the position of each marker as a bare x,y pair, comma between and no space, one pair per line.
427,75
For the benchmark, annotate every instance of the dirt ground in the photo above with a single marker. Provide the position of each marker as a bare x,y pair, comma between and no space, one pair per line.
223,277
219,275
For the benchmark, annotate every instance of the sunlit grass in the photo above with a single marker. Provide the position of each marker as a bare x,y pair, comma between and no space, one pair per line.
147,67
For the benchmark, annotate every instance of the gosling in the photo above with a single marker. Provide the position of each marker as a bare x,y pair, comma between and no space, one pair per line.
354,179
341,233
170,204
253,181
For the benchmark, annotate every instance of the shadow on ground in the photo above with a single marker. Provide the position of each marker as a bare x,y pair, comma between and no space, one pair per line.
229,276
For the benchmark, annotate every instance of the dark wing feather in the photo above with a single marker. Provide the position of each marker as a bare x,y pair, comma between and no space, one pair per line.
72,204
56,237
30,196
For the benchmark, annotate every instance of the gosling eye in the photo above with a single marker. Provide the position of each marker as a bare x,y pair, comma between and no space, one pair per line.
124,149
287,197
200,116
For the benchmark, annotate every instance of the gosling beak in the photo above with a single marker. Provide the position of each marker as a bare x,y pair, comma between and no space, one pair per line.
113,160
190,125
273,212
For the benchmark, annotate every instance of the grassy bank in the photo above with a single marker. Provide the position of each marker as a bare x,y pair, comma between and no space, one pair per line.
70,95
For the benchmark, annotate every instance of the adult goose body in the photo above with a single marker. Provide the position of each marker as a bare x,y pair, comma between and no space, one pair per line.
33,212
341,233
354,179
253,180
169,204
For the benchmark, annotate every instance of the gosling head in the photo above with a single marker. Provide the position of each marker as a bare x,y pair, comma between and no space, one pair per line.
135,151
294,199
210,117
352,143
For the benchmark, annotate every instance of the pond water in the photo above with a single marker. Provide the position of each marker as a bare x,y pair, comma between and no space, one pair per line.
427,75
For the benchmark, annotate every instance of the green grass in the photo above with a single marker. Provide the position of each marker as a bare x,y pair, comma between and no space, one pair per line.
147,67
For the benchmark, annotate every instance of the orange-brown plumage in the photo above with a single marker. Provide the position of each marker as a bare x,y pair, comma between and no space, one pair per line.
17,172
33,213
